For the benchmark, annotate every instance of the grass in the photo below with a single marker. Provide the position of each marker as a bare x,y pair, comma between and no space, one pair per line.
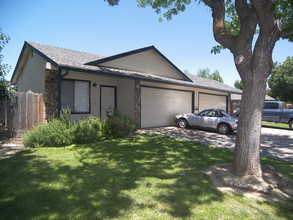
280,125
140,177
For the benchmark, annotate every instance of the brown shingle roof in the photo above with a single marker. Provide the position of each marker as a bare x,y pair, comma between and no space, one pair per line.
76,60
201,81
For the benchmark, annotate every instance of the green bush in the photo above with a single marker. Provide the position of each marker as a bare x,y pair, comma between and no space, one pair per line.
53,134
88,130
61,132
65,116
119,125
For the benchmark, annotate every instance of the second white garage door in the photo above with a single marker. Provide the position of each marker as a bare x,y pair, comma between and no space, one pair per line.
159,106
207,101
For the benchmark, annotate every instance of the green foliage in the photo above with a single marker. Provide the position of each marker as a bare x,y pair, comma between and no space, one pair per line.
88,130
284,12
61,132
238,84
64,116
205,73
168,8
4,68
217,49
120,125
53,134
281,81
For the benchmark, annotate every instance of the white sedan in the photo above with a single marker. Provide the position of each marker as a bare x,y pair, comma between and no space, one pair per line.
209,118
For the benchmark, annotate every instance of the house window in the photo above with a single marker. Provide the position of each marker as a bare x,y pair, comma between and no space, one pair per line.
75,94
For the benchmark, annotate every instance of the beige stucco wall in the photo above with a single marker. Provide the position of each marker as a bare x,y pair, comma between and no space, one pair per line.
125,97
33,74
147,62
125,93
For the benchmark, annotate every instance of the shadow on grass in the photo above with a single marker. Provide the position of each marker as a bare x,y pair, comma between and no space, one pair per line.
96,181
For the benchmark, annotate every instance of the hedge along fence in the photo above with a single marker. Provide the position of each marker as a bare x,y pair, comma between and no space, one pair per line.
21,111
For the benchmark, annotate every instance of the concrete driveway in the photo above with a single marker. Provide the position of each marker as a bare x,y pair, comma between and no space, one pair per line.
275,143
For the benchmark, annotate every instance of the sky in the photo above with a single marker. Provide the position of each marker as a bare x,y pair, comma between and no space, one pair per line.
95,27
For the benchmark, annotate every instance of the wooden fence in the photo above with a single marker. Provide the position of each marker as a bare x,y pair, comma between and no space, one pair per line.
20,112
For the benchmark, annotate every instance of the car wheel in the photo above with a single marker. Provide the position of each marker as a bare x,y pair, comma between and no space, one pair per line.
224,128
182,123
291,124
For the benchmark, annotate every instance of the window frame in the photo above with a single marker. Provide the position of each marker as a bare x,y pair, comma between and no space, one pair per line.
271,106
89,94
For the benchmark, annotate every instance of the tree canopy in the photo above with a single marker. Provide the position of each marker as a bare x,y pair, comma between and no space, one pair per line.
206,73
282,10
238,84
281,81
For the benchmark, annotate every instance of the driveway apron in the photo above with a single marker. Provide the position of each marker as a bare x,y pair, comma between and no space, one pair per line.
275,143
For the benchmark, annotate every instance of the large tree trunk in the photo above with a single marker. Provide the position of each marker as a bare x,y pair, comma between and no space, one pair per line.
246,155
254,64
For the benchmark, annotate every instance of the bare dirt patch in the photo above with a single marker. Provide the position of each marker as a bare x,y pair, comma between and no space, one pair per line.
10,146
272,187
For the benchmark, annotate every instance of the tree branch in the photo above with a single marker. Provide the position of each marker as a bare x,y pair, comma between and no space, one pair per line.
265,14
268,35
286,33
243,49
220,33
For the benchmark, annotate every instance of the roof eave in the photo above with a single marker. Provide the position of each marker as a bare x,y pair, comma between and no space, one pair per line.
108,73
22,56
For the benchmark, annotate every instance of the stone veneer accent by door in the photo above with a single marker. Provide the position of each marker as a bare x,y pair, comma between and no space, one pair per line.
51,94
137,102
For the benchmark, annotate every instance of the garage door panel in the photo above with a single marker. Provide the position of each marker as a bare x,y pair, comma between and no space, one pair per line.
207,101
159,106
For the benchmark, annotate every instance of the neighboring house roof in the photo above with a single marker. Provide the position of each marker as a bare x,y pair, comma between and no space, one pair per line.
85,62
237,97
201,81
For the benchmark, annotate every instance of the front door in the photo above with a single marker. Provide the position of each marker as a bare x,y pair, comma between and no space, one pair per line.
107,100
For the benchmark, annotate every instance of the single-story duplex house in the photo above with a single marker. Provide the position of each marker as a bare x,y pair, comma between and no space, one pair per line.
142,84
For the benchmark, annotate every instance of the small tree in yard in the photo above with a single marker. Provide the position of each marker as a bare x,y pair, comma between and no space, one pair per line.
235,24
4,68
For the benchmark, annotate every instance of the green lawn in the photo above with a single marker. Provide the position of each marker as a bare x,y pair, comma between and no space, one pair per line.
280,125
139,177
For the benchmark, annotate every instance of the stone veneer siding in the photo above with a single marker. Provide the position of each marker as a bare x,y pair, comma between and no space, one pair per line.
51,94
137,102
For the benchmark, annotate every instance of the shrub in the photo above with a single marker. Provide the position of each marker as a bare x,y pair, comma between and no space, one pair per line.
53,134
65,116
60,132
119,125
88,130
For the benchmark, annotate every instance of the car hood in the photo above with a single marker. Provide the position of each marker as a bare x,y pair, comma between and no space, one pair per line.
187,115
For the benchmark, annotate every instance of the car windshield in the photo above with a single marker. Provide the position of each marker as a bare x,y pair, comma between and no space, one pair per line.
209,113
225,114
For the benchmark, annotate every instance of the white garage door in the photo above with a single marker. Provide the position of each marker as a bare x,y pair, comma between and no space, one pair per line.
207,101
159,106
